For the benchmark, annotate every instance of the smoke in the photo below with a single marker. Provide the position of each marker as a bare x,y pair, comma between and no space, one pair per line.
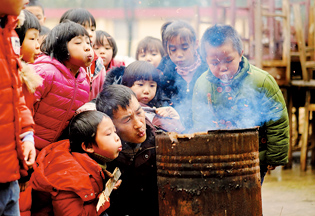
242,107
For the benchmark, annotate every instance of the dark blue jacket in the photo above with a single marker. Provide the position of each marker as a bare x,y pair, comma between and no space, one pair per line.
174,87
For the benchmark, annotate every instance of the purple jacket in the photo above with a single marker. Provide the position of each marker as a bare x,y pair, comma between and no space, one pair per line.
57,99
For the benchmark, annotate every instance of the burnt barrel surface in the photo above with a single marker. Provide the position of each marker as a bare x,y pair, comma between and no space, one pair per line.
214,173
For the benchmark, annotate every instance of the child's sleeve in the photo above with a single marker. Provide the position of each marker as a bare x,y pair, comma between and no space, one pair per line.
277,128
69,203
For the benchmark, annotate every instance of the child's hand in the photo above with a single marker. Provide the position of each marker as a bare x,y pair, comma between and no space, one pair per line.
29,153
110,175
86,107
271,167
168,112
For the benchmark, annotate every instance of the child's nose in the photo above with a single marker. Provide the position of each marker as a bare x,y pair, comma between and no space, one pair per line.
223,67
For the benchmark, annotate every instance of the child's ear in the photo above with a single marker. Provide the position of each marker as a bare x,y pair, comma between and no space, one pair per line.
89,149
241,55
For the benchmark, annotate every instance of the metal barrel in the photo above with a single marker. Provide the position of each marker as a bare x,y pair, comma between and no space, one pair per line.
214,173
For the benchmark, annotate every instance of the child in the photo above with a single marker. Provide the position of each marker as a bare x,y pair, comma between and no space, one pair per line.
69,174
96,72
28,34
181,67
137,160
36,8
67,51
17,150
236,94
143,79
106,48
150,49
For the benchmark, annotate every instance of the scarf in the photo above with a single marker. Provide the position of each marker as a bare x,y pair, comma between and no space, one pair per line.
185,71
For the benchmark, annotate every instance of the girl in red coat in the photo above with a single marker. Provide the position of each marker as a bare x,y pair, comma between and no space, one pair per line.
67,51
69,175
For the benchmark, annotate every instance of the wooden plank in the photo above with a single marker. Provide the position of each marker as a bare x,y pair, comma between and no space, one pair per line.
274,15
274,63
302,83
303,158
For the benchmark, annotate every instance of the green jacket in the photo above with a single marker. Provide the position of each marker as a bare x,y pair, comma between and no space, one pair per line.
252,98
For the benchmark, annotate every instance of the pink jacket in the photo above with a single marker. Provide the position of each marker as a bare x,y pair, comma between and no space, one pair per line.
57,99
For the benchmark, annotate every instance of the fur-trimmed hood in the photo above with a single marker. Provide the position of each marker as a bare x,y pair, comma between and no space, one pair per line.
28,76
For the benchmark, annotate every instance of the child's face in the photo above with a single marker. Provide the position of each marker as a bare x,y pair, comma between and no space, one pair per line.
30,47
38,12
152,56
80,51
104,51
108,142
145,90
12,7
130,122
181,51
91,30
223,61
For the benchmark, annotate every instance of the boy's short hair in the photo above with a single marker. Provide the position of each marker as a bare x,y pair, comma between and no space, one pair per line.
176,28
112,97
150,43
83,129
36,3
99,41
55,44
217,35
80,16
30,22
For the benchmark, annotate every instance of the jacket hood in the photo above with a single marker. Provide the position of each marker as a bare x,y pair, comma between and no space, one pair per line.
31,79
58,169
44,59
114,76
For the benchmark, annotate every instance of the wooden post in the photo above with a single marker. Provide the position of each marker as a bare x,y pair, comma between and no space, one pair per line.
258,34
233,12
286,56
300,40
303,158
197,20
271,28
289,103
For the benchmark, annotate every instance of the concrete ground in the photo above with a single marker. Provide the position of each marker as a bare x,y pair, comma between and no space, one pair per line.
289,192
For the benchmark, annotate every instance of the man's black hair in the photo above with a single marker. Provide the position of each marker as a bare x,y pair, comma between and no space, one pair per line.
112,97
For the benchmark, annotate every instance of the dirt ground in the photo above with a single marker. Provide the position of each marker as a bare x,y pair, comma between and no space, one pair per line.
289,192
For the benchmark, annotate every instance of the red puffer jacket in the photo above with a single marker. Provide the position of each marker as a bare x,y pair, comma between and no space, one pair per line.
57,99
65,183
15,117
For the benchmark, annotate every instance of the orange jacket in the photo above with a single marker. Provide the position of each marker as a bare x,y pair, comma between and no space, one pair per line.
15,117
